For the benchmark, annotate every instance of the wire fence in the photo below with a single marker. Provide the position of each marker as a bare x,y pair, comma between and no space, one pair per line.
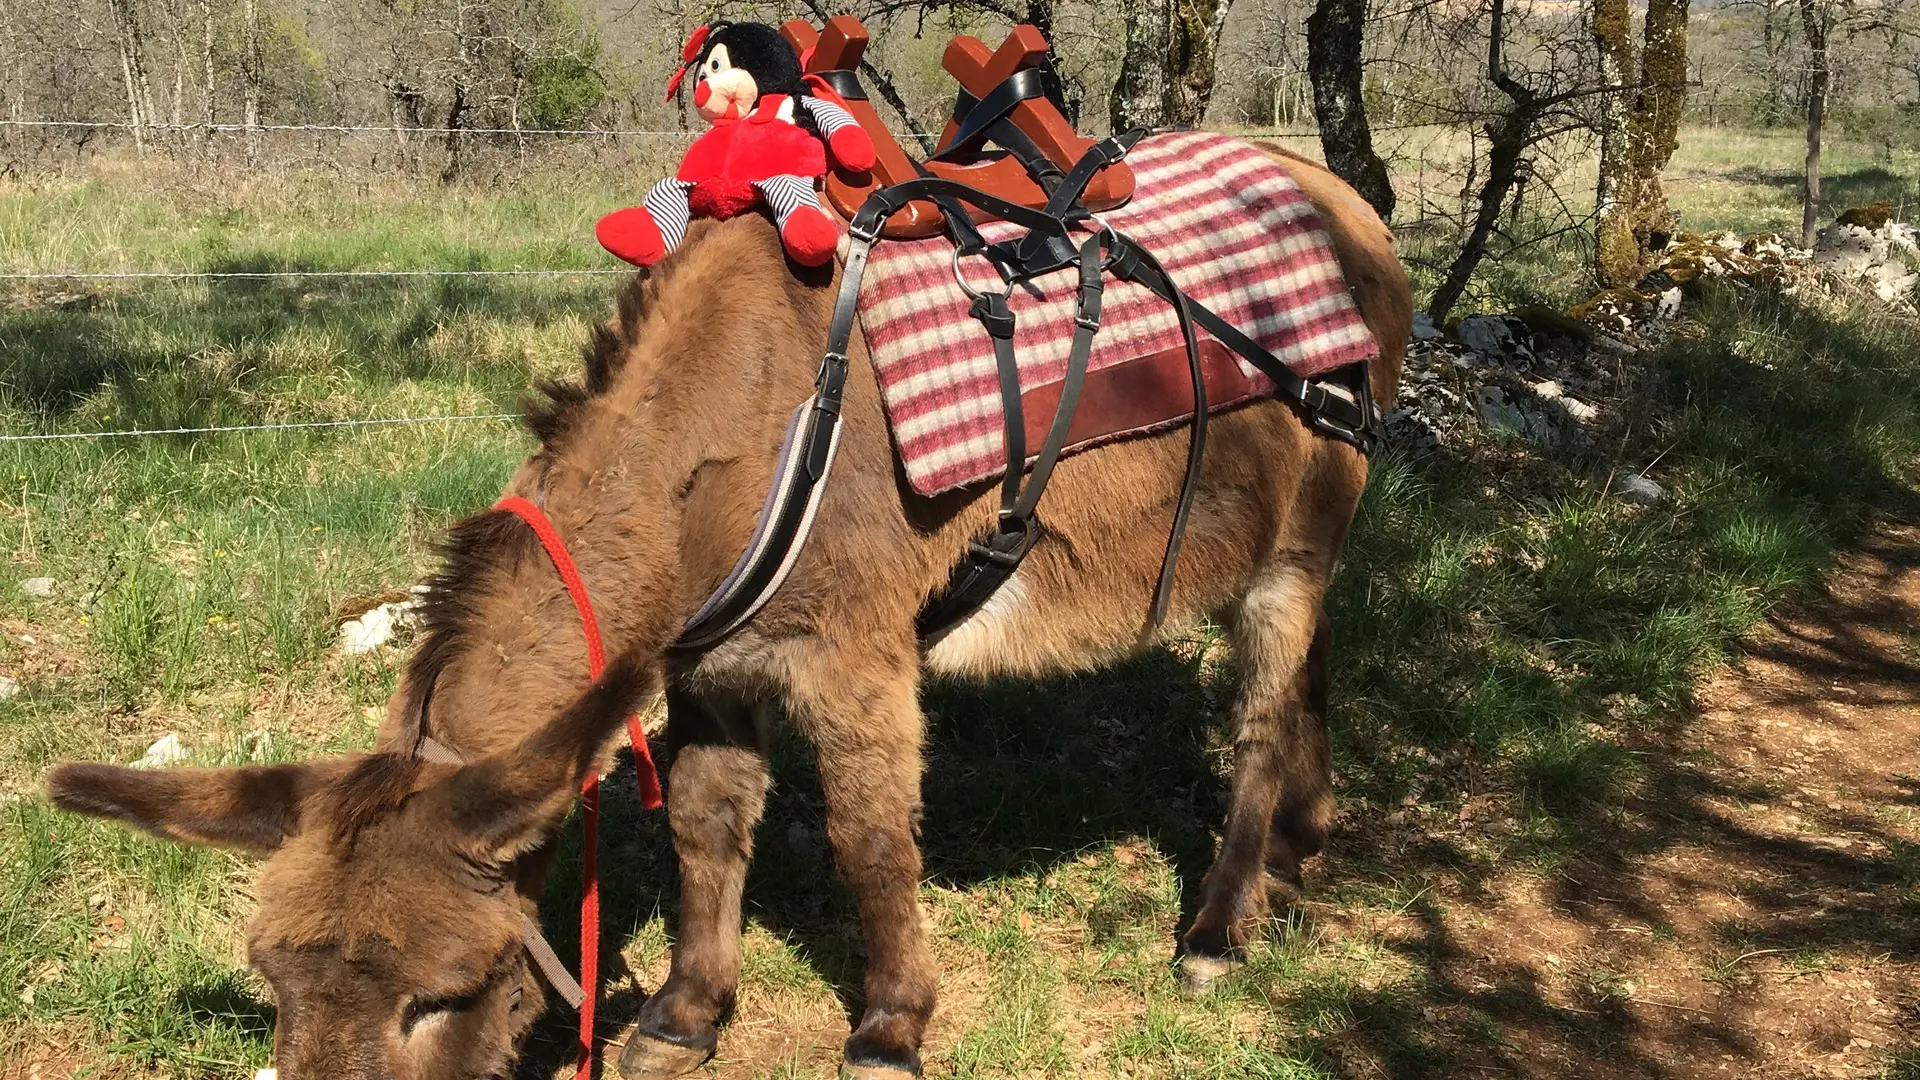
128,275
293,426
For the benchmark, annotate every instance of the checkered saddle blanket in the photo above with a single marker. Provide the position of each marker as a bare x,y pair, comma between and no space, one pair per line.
1235,233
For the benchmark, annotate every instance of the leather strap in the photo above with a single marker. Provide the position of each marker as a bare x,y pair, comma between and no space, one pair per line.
974,119
538,948
991,560
843,82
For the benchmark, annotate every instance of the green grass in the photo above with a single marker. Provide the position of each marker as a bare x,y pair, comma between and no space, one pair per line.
1503,629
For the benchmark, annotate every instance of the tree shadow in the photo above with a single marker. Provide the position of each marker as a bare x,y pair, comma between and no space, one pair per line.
1838,190
204,351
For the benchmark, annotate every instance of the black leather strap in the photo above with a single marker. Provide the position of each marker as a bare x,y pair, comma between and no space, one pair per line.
991,560
844,82
1347,414
976,118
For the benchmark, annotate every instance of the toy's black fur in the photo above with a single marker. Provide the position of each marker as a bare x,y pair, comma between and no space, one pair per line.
767,56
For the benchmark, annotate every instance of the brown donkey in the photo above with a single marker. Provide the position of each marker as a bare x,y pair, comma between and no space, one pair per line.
394,890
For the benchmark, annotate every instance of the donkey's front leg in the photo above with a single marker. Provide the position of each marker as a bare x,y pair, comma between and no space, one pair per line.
862,712
716,791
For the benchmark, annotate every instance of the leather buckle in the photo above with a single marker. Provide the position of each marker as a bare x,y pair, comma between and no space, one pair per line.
1009,543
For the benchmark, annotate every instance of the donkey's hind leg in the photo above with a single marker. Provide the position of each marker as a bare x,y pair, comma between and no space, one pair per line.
717,788
1282,789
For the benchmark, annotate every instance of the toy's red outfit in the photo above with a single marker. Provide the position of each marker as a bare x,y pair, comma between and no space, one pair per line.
742,162
724,164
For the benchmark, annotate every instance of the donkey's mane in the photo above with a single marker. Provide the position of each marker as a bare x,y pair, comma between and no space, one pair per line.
493,540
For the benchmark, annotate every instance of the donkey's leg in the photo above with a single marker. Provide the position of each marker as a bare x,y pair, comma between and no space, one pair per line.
862,713
1280,770
1305,813
717,788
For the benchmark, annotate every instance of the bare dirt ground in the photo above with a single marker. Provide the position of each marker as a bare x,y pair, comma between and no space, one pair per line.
1756,911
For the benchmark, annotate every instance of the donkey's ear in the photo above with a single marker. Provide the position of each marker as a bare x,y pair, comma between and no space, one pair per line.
256,806
507,804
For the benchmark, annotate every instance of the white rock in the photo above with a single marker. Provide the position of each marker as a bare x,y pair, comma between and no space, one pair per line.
1423,328
1579,410
9,687
1637,489
377,627
266,1074
1612,346
37,587
1669,304
166,750
1549,389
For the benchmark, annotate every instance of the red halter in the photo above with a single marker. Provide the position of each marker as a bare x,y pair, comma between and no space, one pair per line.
542,527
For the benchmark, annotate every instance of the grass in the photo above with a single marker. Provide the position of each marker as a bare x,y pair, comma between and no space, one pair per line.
1506,632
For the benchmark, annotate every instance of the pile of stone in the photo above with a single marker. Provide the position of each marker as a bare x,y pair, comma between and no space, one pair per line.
1549,378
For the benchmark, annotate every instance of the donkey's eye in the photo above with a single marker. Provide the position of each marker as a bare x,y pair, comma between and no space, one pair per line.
425,1010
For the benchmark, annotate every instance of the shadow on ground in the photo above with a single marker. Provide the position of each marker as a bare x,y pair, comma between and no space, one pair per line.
1521,752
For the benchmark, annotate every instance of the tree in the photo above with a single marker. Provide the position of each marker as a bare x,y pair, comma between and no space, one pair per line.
1639,131
1335,37
1816,20
1167,66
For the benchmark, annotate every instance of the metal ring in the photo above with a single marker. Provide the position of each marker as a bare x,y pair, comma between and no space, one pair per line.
965,287
1114,237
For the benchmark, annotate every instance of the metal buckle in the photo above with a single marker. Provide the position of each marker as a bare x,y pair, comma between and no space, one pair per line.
1091,326
865,237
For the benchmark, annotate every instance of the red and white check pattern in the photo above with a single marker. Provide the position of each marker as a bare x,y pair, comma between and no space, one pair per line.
1234,231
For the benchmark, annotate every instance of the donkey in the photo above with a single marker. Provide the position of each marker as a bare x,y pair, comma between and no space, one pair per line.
394,887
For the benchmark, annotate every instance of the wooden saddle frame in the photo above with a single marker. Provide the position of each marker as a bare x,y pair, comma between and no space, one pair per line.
1035,145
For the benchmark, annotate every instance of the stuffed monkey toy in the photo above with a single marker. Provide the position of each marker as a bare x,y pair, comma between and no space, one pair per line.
772,128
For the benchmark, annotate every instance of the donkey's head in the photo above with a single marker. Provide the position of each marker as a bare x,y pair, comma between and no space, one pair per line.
390,914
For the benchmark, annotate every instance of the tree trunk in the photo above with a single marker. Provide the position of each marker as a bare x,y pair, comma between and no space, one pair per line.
1616,253
1167,68
1816,18
133,70
206,56
1335,39
1505,165
1140,92
1637,139
251,77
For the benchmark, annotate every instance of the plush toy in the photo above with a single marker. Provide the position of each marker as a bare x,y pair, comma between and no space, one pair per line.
766,146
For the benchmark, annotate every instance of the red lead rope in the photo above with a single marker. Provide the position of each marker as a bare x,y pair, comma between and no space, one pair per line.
542,527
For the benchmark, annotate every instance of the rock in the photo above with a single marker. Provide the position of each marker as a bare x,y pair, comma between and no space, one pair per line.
1612,346
1669,303
1638,490
166,750
1493,338
377,626
1579,410
1549,389
1423,328
1491,405
37,587
9,688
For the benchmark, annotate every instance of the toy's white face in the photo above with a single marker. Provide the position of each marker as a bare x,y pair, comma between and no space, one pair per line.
723,92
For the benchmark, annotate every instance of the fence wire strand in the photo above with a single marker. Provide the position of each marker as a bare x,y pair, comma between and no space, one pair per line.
308,424
119,275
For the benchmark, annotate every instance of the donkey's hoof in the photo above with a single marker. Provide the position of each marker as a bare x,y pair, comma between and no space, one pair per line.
1198,972
851,1071
649,1058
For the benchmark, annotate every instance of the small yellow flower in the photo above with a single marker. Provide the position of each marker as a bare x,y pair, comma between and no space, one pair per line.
84,620
215,620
